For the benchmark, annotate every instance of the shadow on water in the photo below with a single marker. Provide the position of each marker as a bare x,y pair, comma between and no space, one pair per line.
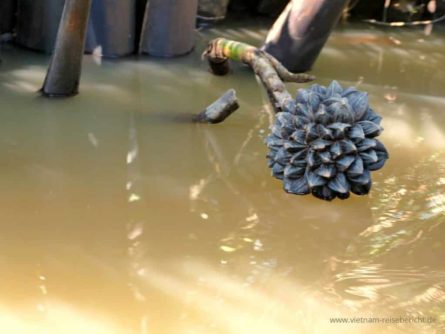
171,117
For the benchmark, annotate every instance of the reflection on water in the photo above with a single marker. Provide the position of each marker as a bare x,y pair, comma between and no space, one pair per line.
395,263
118,216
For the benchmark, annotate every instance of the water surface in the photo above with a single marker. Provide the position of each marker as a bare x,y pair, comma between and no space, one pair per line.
117,216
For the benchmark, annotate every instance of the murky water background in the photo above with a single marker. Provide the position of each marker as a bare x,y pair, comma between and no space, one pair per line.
116,216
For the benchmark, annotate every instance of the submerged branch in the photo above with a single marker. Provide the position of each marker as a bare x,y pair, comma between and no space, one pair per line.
219,110
271,72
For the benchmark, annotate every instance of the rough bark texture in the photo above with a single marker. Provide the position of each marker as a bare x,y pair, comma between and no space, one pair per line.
269,69
219,110
65,68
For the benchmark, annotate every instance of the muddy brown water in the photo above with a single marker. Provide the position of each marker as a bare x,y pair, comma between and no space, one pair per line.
116,216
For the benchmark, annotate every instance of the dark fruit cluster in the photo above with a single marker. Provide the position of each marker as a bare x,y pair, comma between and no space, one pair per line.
325,143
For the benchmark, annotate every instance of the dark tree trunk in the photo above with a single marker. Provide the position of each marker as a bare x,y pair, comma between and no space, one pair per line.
65,68
112,27
301,31
169,27
140,10
7,15
37,23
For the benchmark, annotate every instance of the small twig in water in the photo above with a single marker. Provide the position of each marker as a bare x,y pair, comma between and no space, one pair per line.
219,110
406,24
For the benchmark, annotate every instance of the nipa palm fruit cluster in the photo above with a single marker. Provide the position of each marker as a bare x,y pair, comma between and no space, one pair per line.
325,143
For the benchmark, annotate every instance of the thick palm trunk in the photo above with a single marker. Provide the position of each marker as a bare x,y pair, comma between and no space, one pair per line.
37,23
7,13
301,31
112,28
169,27
65,68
